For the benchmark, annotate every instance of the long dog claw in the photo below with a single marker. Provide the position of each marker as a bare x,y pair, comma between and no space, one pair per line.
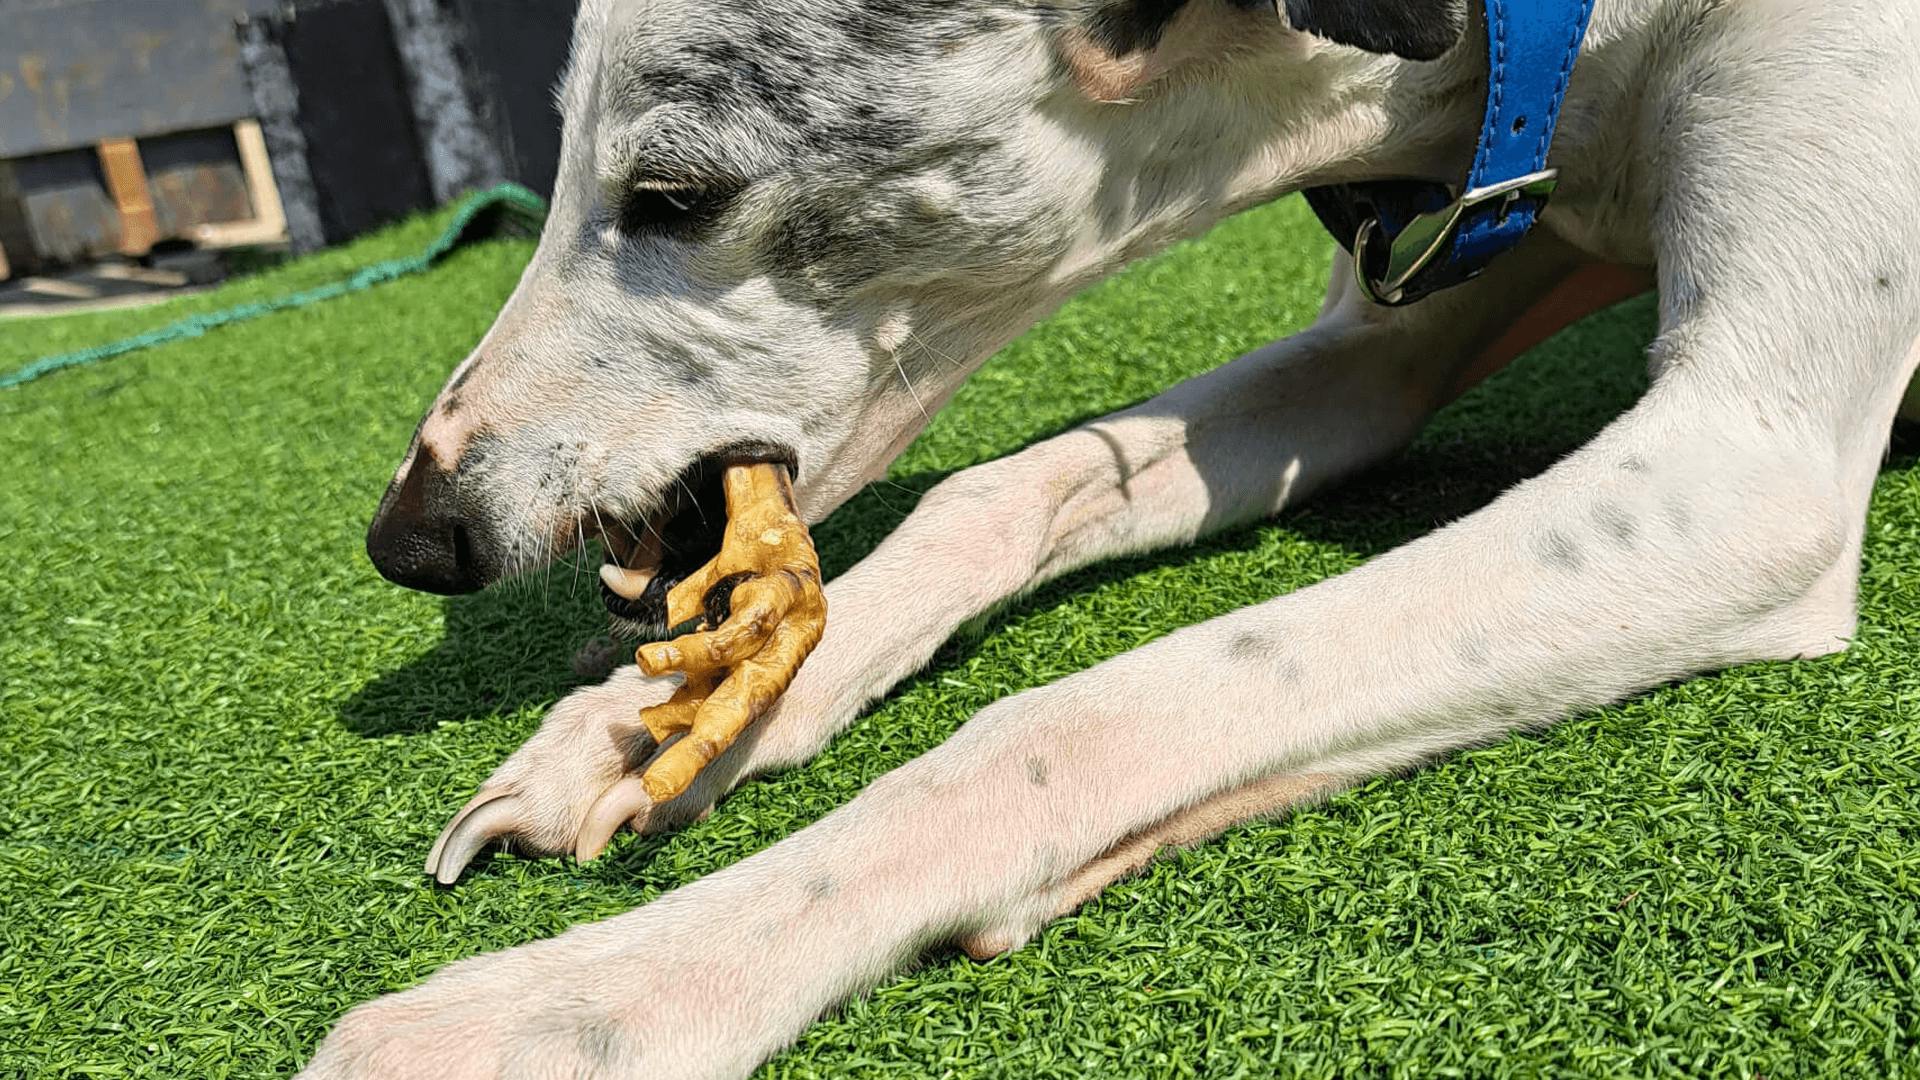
490,816
615,807
735,671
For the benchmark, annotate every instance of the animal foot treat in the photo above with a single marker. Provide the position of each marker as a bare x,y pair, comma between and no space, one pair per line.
762,611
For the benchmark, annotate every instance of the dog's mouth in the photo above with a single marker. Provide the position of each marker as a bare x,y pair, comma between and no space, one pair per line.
647,556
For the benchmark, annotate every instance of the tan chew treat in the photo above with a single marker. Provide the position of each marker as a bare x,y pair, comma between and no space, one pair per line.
736,671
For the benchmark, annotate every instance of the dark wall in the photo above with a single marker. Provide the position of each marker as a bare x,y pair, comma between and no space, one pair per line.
363,151
518,51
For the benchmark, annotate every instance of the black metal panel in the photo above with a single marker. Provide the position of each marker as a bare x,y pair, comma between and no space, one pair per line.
76,72
16,239
195,178
362,149
68,210
517,51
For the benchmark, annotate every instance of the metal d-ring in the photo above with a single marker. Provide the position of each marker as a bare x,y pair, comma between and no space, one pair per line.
1415,247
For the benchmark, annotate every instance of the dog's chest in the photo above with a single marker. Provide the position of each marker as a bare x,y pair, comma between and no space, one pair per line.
1612,223
1609,194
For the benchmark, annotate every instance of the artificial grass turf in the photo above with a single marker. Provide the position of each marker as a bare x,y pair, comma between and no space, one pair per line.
228,744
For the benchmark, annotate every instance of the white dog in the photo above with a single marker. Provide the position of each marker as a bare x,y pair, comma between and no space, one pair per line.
796,227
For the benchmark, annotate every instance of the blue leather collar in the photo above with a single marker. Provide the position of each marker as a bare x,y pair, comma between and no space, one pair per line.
1411,238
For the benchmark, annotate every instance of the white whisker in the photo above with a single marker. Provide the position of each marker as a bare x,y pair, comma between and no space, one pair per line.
692,498
928,345
902,369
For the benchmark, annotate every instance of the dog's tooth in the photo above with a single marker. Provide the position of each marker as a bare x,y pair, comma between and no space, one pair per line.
628,583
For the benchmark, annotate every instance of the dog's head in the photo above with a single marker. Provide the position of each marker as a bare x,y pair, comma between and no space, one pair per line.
789,229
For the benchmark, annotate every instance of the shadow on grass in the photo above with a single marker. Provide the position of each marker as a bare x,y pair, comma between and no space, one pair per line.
503,649
1904,450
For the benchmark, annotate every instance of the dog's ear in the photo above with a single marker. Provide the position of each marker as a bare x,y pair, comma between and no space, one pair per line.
1116,48
1119,47
1415,29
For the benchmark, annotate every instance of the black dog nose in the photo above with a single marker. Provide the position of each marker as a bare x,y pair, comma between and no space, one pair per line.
418,538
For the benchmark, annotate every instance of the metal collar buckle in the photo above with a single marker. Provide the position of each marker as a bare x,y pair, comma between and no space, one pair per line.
1417,245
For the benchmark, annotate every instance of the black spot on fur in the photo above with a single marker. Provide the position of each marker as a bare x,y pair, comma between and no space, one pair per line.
870,128
1037,771
1249,647
466,373
1415,29
637,746
838,235
1266,652
1132,26
822,887
775,71
478,452
804,239
1123,27
1614,520
1558,550
1678,516
603,1044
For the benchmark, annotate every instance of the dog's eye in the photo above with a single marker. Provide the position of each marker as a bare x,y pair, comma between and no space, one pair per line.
664,209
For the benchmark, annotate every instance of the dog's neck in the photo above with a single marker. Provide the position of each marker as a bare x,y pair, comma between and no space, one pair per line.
1345,116
1271,113
1179,141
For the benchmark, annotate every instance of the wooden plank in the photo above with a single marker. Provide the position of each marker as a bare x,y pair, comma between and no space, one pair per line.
267,223
258,169
127,186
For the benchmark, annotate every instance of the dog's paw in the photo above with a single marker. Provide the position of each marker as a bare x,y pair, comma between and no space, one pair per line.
539,799
503,1015
625,997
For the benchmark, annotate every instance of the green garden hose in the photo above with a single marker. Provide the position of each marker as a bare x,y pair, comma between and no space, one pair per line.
480,215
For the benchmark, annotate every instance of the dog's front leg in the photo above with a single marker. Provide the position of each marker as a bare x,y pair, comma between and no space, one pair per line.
1234,445
1699,530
